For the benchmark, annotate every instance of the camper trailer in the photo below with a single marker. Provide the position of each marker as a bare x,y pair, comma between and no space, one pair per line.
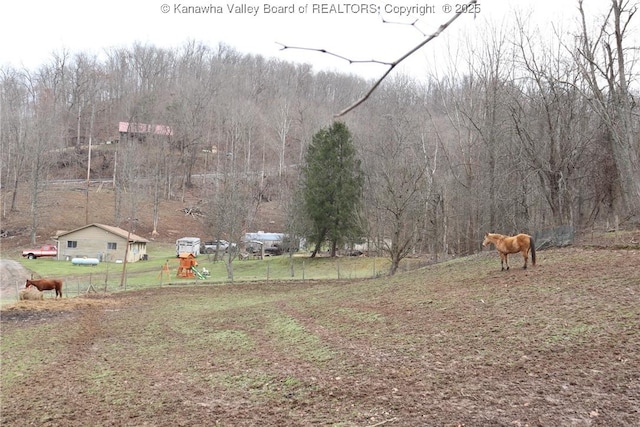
188,245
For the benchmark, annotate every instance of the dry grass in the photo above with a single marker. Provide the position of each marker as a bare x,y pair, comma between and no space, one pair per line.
62,304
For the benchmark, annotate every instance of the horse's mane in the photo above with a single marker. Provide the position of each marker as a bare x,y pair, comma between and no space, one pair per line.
496,235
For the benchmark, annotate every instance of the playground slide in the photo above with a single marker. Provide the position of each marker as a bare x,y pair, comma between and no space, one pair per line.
198,274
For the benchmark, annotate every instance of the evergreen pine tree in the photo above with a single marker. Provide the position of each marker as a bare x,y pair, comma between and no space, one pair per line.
332,189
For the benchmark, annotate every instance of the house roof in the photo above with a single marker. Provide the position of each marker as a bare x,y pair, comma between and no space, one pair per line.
264,236
110,229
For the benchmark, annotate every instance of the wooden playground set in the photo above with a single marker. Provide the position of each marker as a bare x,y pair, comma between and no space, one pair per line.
186,268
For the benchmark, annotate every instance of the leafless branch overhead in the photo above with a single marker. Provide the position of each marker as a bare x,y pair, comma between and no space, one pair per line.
391,65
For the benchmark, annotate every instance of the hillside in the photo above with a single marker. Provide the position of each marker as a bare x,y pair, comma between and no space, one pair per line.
63,208
438,168
458,343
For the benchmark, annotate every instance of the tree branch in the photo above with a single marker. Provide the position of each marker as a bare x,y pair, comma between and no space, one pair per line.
350,61
391,65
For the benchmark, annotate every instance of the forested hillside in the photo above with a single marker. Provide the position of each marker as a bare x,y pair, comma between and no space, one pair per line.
522,133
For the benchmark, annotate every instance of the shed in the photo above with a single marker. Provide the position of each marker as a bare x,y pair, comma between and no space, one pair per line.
105,242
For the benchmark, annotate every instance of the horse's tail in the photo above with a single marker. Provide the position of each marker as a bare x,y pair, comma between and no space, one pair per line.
532,245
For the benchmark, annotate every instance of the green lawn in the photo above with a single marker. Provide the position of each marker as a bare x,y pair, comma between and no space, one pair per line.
144,274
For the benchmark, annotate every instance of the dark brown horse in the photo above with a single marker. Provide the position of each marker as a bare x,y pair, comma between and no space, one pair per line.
46,285
506,245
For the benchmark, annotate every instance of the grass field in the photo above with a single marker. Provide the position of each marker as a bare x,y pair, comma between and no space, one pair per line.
108,277
457,343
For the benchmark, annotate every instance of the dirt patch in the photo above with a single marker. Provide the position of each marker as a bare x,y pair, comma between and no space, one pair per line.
12,277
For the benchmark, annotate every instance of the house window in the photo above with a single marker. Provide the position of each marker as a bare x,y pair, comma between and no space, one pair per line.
72,244
112,245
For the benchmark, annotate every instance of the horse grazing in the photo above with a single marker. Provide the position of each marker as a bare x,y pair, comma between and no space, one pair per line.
506,245
46,285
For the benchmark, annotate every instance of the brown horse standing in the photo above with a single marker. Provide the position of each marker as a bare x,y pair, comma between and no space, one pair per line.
506,245
46,285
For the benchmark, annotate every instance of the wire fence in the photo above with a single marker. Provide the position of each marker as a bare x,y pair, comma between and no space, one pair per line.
111,278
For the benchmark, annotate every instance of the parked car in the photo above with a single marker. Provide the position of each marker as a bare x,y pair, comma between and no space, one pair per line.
45,250
222,245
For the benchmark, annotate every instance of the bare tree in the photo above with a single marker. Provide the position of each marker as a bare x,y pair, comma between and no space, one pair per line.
547,112
227,215
398,192
42,88
606,65
467,121
399,157
140,82
14,127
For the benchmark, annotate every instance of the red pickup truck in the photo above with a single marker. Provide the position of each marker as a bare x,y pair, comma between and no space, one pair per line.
45,250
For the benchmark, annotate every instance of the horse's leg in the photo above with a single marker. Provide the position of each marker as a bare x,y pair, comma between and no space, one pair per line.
525,255
503,261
